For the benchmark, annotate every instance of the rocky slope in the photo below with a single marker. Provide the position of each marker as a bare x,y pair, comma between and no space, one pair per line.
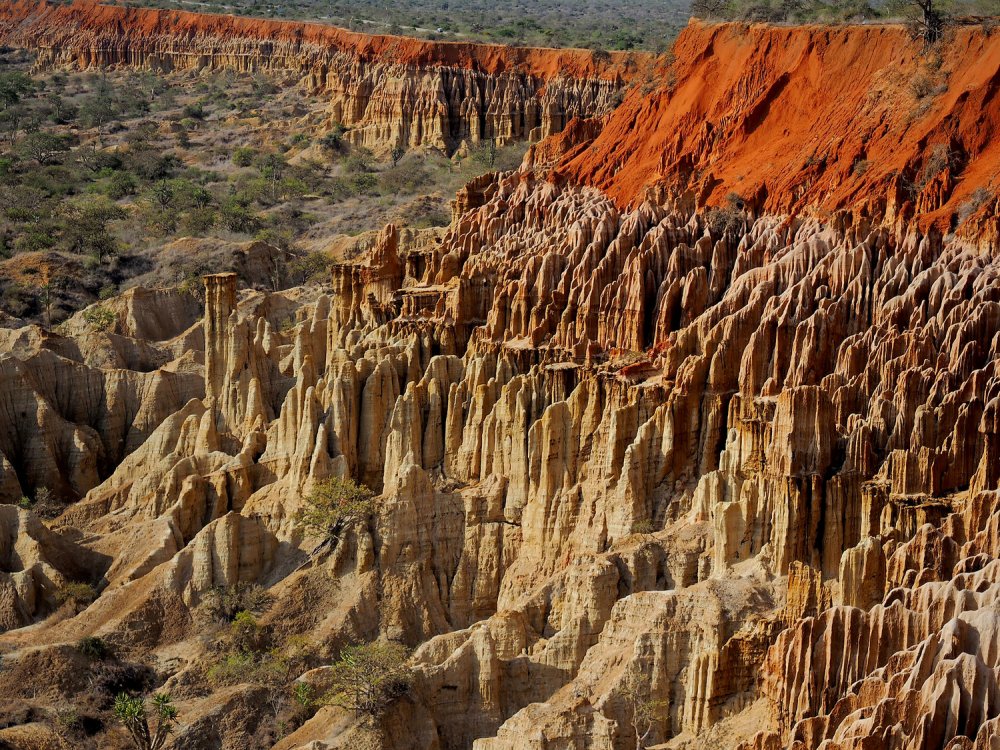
389,91
632,449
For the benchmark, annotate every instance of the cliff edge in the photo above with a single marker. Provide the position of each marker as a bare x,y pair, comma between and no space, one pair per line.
856,118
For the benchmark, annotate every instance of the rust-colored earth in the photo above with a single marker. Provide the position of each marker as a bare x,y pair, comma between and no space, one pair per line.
789,117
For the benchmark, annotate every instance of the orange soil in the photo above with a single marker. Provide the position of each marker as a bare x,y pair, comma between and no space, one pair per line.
488,58
796,117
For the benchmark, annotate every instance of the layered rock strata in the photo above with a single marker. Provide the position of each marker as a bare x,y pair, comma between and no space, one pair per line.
388,91
645,475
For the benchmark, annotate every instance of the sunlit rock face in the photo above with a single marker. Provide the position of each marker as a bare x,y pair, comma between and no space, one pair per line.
627,449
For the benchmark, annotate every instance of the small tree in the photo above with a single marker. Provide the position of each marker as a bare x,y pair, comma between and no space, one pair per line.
132,712
87,229
643,709
44,147
398,152
336,504
162,193
930,16
367,678
13,86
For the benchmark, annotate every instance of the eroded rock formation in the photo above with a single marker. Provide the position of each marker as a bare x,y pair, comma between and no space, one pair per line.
741,467
388,91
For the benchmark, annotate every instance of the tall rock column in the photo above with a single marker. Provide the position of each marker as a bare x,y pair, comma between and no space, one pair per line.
238,374
220,302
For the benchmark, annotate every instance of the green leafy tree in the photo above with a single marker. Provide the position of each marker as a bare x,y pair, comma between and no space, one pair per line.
13,87
237,217
243,156
87,229
148,726
44,147
99,109
11,121
334,505
367,678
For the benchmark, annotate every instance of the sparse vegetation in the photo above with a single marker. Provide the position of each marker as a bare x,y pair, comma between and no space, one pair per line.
369,677
645,526
225,604
728,218
148,726
979,198
80,594
93,647
614,25
93,190
929,18
334,505
99,317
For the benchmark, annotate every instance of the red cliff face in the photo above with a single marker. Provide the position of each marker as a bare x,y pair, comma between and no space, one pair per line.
388,90
850,117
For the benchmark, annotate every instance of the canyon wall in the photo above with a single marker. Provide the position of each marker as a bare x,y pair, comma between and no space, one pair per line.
388,91
652,466
791,119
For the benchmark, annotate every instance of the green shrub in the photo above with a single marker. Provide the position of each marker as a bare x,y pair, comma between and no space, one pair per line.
304,694
241,667
122,184
243,156
233,669
237,217
245,634
645,526
93,647
198,221
195,110
78,593
334,140
226,603
99,318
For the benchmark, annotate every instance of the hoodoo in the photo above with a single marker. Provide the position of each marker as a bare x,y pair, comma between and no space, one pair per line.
684,434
